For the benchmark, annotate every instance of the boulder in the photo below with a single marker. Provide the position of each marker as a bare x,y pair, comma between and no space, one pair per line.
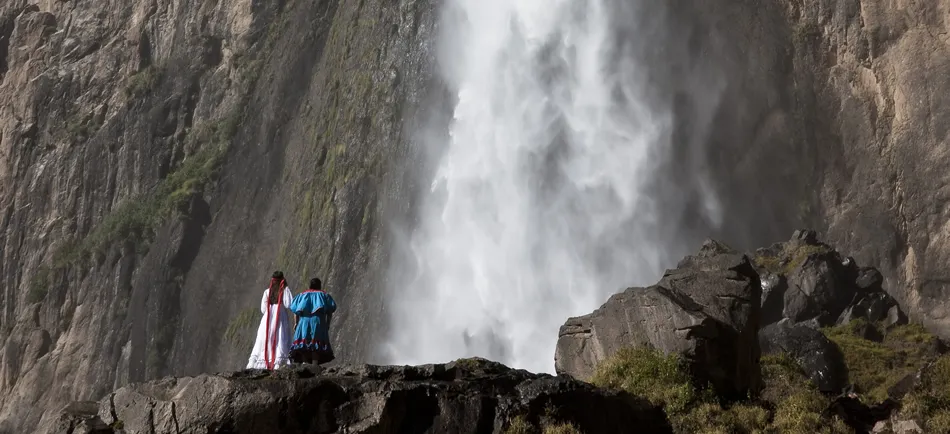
818,356
467,396
707,309
805,279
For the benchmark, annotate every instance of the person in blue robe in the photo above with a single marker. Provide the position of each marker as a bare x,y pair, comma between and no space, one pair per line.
313,310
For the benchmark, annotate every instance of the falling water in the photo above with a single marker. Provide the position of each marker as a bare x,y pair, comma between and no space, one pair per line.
544,201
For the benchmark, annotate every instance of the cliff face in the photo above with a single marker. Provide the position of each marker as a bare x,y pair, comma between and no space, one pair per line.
831,116
158,159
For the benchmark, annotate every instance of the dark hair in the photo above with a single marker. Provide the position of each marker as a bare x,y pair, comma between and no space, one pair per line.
276,287
316,284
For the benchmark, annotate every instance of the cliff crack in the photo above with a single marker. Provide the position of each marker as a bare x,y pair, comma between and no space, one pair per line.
175,418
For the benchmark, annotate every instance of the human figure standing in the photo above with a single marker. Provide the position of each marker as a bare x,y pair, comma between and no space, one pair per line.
272,345
313,310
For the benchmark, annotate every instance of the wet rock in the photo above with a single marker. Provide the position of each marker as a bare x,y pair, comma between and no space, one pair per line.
812,281
707,309
869,279
818,356
467,396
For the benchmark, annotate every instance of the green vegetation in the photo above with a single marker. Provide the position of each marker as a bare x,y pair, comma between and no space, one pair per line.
520,425
143,82
647,372
930,402
468,364
240,323
874,367
39,285
788,404
790,258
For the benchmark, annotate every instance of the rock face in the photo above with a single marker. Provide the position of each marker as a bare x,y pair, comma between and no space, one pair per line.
706,309
809,281
818,356
469,396
159,159
275,135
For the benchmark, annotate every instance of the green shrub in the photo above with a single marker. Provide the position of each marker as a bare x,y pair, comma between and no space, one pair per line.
874,367
561,428
929,403
789,403
647,372
791,257
39,285
143,82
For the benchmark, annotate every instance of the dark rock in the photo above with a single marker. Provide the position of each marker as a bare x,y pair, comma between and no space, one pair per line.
806,236
895,317
873,307
812,281
467,396
707,309
859,416
818,356
869,279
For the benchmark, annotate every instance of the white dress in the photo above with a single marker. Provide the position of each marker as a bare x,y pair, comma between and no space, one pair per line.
280,329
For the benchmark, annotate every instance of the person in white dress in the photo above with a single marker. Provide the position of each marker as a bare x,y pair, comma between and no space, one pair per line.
272,345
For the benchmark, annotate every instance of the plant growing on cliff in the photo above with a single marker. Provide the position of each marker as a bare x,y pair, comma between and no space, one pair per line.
788,404
930,401
143,82
790,258
874,367
520,425
647,372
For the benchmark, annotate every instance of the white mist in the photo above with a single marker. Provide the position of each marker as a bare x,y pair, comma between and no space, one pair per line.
540,207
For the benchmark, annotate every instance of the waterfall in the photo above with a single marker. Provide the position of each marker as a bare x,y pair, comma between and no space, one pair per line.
545,199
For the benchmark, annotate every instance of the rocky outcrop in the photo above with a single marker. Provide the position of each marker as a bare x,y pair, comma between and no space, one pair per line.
702,310
467,396
806,280
159,159
706,309
820,358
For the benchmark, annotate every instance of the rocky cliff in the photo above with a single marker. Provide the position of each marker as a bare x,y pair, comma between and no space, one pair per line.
159,157
467,396
835,109
156,157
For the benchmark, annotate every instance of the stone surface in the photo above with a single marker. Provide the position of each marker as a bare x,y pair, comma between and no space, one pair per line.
160,158
706,309
818,356
808,280
467,396
824,114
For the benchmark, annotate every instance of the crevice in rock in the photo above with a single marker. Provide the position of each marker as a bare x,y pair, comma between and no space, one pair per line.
6,31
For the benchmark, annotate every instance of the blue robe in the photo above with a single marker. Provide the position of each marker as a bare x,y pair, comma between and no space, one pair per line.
315,309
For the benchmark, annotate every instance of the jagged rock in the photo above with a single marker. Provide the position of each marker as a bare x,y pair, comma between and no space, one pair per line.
818,356
895,317
860,416
895,426
706,309
467,396
809,280
869,279
81,417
